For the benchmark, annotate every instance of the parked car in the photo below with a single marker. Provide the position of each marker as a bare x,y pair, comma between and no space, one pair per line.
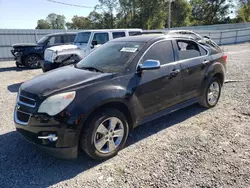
84,43
91,106
29,55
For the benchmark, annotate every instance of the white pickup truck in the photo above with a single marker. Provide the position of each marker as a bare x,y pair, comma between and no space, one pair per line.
84,43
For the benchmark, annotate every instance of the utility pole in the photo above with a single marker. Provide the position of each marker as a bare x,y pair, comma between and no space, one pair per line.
169,13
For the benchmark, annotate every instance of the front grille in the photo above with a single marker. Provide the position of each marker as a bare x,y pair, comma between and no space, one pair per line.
22,117
27,101
24,108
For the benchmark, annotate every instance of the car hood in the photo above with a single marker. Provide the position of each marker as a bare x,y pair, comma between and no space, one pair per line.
63,48
61,79
24,45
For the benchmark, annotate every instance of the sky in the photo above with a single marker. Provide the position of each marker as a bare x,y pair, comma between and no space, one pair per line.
23,14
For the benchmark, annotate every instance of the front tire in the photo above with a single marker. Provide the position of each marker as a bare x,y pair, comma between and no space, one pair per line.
32,61
212,94
104,134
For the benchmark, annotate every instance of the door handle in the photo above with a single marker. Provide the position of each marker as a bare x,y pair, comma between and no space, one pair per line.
205,62
174,73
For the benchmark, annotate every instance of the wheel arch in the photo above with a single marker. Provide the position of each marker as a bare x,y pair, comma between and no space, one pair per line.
111,104
29,54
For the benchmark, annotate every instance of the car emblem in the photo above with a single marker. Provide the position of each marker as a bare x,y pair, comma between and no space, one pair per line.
17,107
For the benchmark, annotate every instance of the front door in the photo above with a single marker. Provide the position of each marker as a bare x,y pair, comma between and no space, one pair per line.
159,89
194,63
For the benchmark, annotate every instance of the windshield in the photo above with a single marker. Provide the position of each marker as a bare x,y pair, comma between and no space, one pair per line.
42,40
82,37
112,56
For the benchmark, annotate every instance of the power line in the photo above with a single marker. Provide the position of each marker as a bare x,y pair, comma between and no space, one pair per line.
68,4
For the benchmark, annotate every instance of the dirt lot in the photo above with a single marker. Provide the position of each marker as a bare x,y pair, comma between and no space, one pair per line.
193,147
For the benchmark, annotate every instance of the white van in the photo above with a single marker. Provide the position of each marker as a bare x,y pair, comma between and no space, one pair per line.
84,43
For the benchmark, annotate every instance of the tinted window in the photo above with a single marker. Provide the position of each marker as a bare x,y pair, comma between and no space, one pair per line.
42,40
82,37
132,33
101,38
188,49
55,40
213,46
118,34
162,51
112,56
69,38
202,51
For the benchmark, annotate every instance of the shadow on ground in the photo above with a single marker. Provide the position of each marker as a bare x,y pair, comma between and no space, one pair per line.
6,69
23,165
14,87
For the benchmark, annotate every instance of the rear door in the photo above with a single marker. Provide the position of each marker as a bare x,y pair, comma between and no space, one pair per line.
194,61
159,89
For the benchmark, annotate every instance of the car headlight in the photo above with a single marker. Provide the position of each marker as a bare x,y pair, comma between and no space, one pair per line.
56,103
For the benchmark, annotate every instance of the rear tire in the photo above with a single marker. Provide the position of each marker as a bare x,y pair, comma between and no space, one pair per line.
212,94
32,61
104,134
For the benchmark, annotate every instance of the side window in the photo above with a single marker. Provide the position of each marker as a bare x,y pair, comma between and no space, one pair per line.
202,51
133,33
55,40
68,38
118,34
162,51
188,49
71,38
101,38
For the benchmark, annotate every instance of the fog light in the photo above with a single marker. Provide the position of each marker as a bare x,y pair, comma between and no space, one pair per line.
50,137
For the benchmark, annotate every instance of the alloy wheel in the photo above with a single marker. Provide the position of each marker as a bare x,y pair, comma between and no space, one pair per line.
33,61
109,135
213,93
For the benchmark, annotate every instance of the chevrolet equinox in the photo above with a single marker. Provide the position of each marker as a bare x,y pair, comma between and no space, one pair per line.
91,106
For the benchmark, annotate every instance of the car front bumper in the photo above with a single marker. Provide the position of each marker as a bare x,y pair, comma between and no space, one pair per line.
40,126
47,66
17,56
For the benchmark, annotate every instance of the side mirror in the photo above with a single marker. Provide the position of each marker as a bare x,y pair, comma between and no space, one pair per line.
206,37
150,65
94,43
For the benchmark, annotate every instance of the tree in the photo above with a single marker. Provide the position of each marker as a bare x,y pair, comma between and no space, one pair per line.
56,21
42,24
53,21
206,12
244,11
108,7
181,13
79,22
96,20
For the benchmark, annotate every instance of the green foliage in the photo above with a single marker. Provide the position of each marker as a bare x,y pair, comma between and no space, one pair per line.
149,14
206,12
42,24
79,22
244,11
53,21
181,13
56,21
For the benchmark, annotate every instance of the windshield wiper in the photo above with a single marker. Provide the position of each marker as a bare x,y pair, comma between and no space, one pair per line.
92,68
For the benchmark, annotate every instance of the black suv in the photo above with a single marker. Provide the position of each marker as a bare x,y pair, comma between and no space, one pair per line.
92,106
29,54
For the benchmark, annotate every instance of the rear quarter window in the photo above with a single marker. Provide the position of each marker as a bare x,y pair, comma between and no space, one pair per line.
118,34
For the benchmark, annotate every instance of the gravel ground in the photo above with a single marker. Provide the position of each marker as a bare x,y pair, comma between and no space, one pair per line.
193,147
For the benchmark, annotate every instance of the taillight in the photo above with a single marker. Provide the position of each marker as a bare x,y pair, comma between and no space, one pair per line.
224,58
